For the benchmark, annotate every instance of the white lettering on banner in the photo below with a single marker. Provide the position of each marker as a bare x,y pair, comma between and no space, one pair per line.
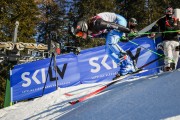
28,80
26,77
34,77
103,62
96,65
94,62
43,75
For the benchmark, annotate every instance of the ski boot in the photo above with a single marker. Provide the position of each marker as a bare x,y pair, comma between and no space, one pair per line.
122,58
167,69
117,76
127,67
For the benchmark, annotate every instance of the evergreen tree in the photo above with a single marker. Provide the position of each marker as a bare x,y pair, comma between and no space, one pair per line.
52,19
156,9
145,11
24,11
89,8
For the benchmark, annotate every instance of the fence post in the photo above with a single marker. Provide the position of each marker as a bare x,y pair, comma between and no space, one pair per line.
7,100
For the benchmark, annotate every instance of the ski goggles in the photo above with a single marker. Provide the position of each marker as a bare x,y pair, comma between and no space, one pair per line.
79,34
169,11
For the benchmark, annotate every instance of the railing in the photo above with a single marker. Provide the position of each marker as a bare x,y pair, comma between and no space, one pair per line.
22,52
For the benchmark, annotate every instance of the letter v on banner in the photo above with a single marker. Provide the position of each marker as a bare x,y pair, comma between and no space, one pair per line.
134,58
61,73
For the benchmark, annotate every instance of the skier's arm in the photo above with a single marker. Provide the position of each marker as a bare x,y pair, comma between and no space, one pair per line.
130,36
101,24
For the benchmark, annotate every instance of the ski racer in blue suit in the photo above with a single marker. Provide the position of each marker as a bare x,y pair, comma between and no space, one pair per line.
113,25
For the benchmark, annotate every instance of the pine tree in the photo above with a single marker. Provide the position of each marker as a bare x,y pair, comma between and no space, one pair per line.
89,8
17,10
52,20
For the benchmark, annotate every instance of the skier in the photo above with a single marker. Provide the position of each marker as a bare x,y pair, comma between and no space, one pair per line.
170,43
113,25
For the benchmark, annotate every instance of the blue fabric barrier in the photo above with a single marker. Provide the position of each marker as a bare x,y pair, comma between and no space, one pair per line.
27,80
90,66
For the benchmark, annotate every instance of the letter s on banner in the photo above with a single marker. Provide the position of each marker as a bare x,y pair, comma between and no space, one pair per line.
96,65
28,80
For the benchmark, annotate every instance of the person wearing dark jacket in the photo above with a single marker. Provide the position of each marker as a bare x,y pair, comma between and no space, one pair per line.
169,26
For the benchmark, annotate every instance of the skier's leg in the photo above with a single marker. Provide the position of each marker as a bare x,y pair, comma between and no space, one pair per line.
116,53
176,52
168,52
126,67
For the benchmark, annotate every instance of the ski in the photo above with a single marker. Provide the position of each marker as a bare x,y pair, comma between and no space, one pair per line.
96,91
100,89
112,82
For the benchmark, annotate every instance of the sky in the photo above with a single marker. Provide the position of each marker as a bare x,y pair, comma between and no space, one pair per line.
150,98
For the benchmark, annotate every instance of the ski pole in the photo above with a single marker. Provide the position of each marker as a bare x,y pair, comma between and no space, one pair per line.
161,55
47,75
159,58
144,33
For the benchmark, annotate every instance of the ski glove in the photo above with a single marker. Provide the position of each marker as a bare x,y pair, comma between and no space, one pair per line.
132,35
124,39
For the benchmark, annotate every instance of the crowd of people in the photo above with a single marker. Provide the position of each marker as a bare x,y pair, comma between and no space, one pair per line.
117,28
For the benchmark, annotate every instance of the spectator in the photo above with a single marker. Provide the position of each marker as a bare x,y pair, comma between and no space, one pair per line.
132,25
169,26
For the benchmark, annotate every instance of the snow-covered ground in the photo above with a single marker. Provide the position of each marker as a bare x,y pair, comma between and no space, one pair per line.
151,98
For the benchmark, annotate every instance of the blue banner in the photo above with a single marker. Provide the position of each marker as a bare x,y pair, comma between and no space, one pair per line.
28,80
96,66
90,66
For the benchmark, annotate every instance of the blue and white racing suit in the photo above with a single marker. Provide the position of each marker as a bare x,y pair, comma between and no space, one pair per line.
113,36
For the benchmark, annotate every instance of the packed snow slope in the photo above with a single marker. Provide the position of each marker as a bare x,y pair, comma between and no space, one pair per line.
150,98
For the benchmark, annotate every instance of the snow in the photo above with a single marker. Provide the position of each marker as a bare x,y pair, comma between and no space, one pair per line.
150,98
